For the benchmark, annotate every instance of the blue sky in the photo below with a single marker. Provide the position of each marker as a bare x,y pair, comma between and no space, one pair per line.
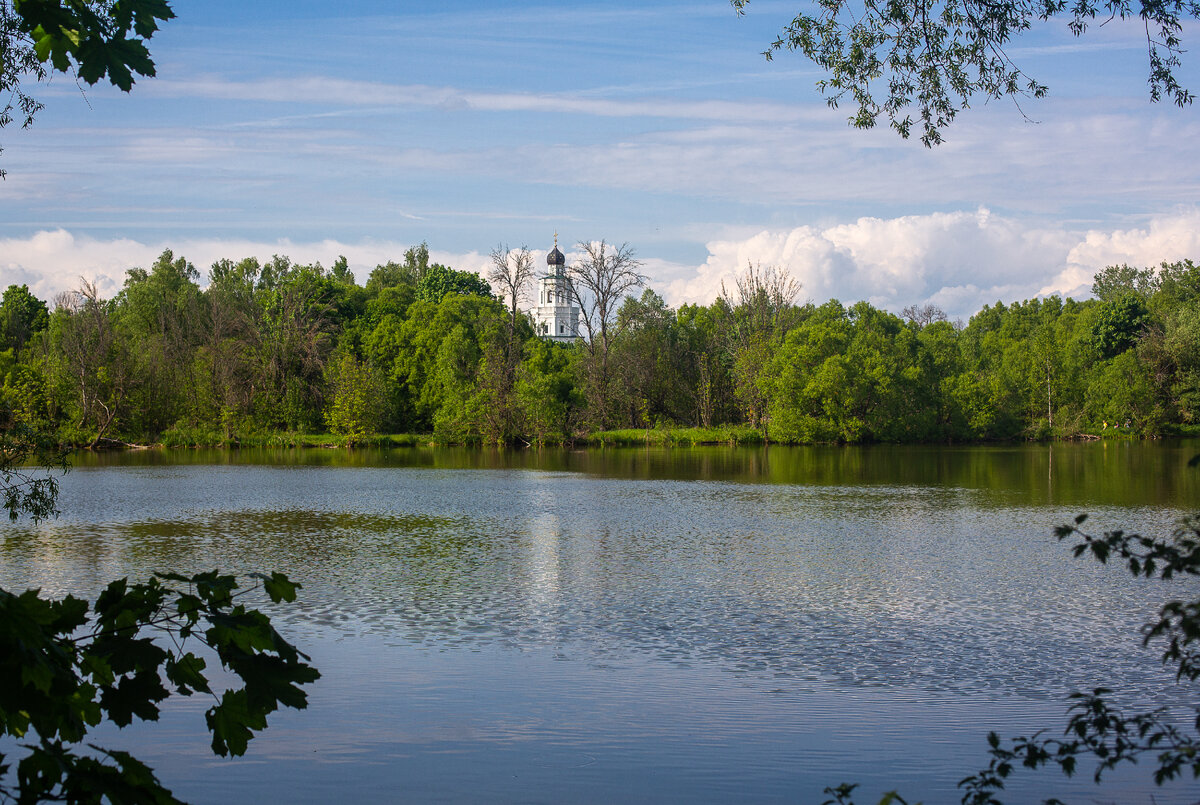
316,129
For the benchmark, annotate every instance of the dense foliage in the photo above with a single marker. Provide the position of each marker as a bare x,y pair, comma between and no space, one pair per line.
279,348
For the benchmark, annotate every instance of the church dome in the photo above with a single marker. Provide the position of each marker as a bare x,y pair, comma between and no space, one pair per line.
556,258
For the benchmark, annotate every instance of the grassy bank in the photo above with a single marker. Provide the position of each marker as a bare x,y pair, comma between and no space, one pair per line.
203,437
675,437
732,435
199,437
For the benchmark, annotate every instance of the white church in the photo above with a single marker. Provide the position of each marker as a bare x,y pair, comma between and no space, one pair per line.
556,316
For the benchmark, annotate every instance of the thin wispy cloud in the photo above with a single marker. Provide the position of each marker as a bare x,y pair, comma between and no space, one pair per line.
340,92
657,124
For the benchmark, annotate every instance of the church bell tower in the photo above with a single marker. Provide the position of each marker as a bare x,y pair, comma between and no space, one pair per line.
556,316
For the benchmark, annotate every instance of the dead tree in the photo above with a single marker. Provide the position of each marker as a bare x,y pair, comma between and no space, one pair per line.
599,281
757,320
923,315
510,275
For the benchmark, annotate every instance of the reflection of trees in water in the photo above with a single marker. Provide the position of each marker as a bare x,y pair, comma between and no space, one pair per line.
897,584
1069,473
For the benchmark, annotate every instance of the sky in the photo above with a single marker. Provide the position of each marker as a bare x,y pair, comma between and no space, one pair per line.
315,130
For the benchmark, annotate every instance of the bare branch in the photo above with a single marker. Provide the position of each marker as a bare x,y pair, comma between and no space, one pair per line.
599,281
923,315
510,275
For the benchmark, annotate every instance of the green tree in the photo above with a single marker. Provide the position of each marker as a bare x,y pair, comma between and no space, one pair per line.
356,398
502,343
1176,285
646,359
1112,282
408,273
226,367
932,59
91,362
1119,324
21,316
438,281
549,392
1120,391
1169,354
703,364
24,397
295,339
940,355
509,276
759,314
849,375
454,383
409,350
164,317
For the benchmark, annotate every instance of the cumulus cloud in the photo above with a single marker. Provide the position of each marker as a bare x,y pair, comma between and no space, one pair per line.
958,260
51,262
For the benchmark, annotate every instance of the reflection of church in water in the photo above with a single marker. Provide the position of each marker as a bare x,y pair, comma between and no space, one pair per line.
556,316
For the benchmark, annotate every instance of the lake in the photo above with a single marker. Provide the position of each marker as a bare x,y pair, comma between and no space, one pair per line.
662,625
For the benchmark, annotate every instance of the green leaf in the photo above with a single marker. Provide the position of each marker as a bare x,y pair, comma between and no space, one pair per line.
231,723
278,587
187,673
42,46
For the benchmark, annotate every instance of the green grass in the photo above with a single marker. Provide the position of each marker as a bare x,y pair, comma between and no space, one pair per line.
675,437
182,436
1180,430
379,440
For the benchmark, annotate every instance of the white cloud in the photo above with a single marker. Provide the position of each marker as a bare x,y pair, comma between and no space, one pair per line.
1167,238
51,262
958,260
54,261
341,92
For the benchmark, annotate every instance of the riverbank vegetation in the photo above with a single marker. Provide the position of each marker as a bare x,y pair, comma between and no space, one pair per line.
281,354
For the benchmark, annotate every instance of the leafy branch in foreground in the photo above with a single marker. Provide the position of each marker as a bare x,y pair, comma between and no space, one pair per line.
67,665
24,454
1097,729
92,38
63,671
841,796
935,56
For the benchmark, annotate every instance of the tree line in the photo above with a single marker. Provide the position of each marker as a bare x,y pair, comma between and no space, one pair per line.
279,347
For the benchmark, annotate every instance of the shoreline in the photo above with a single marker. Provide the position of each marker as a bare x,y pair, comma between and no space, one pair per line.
658,437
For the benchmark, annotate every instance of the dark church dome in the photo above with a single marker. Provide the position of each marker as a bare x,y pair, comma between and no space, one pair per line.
556,258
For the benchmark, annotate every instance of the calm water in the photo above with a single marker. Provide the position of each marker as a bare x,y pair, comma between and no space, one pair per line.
690,625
